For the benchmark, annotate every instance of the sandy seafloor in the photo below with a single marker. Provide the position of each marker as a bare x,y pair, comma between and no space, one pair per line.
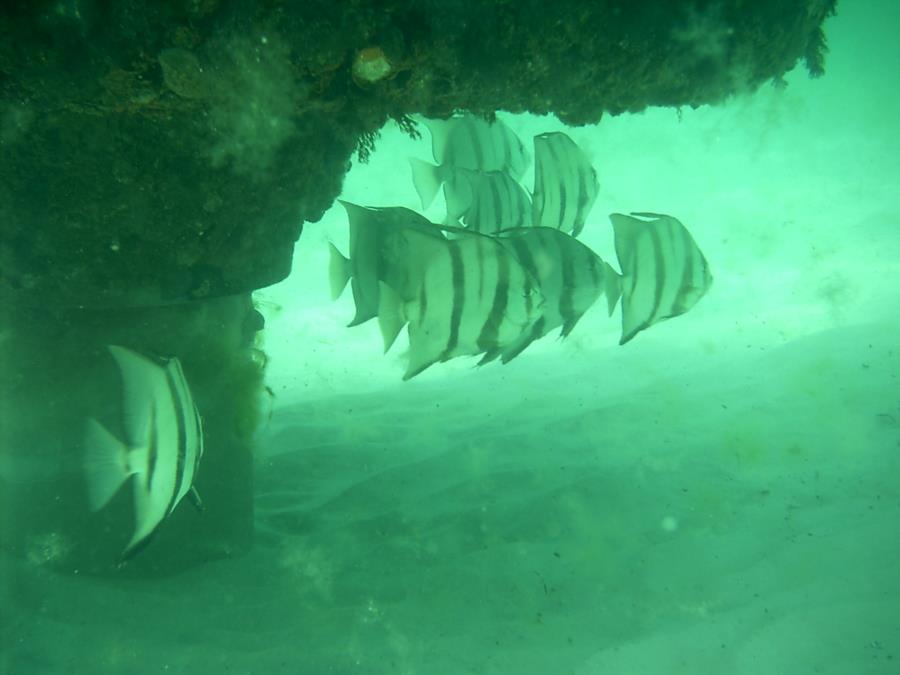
718,496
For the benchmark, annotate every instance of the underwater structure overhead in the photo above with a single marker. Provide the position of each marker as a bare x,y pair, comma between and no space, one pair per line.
160,159
159,152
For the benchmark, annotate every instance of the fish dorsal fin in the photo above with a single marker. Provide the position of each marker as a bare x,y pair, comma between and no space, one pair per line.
363,238
356,215
625,229
426,179
440,132
630,243
141,380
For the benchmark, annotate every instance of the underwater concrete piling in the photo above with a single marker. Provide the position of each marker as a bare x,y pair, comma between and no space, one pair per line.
159,160
58,373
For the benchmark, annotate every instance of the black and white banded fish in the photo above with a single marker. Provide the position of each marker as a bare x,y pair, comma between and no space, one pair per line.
162,447
664,273
391,245
471,143
474,298
572,277
565,183
491,201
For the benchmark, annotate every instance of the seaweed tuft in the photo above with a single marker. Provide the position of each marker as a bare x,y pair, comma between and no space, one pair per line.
408,126
365,146
815,53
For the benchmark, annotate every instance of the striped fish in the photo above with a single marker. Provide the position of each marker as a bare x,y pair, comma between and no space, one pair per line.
162,450
468,142
491,201
664,273
389,245
474,298
572,277
565,184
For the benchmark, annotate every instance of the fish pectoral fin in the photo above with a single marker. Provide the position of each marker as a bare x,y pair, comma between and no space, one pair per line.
142,381
196,500
105,464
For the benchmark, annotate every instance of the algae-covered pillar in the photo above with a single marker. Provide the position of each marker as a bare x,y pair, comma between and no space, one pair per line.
158,160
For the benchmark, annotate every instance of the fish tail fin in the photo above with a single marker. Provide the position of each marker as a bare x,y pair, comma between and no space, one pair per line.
105,464
427,180
613,286
391,315
338,271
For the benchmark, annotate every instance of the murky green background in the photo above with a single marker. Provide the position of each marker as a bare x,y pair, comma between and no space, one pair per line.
719,496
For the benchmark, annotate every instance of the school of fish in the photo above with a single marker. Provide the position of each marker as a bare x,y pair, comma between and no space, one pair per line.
505,268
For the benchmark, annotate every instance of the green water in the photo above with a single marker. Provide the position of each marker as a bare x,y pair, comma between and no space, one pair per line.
718,496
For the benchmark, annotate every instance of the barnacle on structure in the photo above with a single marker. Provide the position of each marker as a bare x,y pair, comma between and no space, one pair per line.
370,65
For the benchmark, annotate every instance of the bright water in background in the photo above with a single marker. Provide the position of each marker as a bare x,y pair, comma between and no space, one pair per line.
719,496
